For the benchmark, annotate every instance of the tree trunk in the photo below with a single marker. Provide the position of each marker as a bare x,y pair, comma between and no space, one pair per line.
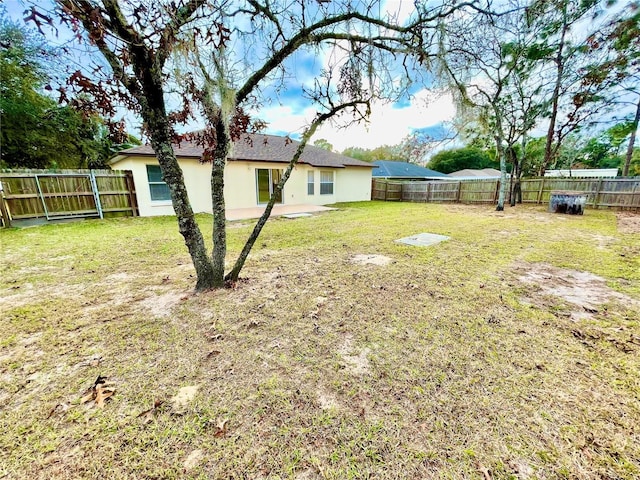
632,141
155,116
503,174
521,163
145,84
517,186
503,161
549,151
515,180
233,275
172,175
223,142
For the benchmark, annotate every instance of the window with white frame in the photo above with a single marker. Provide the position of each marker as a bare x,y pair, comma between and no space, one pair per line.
157,186
326,183
311,182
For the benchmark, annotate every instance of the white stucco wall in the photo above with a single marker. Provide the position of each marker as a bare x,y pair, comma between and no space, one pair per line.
196,179
353,184
350,184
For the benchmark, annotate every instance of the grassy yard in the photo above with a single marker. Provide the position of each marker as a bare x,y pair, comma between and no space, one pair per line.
510,351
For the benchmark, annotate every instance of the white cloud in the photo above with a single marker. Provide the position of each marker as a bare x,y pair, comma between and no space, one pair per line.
282,119
387,125
399,9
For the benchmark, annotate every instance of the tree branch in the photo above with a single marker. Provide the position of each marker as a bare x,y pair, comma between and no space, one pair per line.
308,35
269,14
82,10
168,35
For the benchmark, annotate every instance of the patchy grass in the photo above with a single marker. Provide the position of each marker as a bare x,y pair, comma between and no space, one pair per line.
474,358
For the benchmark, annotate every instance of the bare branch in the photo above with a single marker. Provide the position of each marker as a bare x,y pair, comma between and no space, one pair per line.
310,35
93,21
168,36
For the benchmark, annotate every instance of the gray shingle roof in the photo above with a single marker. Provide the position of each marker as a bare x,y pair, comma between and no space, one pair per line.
263,148
388,168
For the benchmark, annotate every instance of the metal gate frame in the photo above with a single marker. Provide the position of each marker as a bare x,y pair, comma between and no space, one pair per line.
94,189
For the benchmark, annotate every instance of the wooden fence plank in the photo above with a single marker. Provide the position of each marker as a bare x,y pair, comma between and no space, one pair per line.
4,211
43,193
614,192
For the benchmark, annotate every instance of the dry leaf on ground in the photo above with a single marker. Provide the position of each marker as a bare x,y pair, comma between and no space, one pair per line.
221,428
99,392
148,415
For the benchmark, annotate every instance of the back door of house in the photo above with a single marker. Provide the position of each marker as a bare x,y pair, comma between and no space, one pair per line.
266,181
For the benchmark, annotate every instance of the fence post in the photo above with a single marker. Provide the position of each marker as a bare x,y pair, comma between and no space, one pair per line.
428,192
596,198
540,190
495,195
459,192
96,193
44,203
6,218
131,186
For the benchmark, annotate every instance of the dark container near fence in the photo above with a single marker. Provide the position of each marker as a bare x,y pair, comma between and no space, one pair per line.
567,202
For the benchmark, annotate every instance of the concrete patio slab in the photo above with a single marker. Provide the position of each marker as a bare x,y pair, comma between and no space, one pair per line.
278,210
423,239
296,215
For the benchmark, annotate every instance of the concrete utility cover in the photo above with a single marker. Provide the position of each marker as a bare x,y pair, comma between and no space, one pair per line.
296,215
423,239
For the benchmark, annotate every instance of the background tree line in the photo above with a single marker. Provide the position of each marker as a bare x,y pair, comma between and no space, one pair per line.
37,130
605,149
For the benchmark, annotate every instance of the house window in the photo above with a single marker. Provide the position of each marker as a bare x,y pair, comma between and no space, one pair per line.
326,183
158,188
310,182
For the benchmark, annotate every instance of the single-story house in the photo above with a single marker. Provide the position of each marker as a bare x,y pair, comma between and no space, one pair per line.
583,173
475,174
255,165
392,170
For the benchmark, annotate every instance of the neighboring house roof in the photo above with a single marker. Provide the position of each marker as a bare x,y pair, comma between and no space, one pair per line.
259,148
469,173
583,172
391,169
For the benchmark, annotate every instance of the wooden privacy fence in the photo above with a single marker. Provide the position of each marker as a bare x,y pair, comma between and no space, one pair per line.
623,193
66,194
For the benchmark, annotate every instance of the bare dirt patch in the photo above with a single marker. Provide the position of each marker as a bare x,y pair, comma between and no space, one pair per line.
628,222
603,242
585,290
161,305
379,260
327,401
356,360
185,396
119,277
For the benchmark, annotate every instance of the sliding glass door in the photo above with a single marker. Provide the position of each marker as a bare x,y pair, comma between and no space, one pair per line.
266,181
